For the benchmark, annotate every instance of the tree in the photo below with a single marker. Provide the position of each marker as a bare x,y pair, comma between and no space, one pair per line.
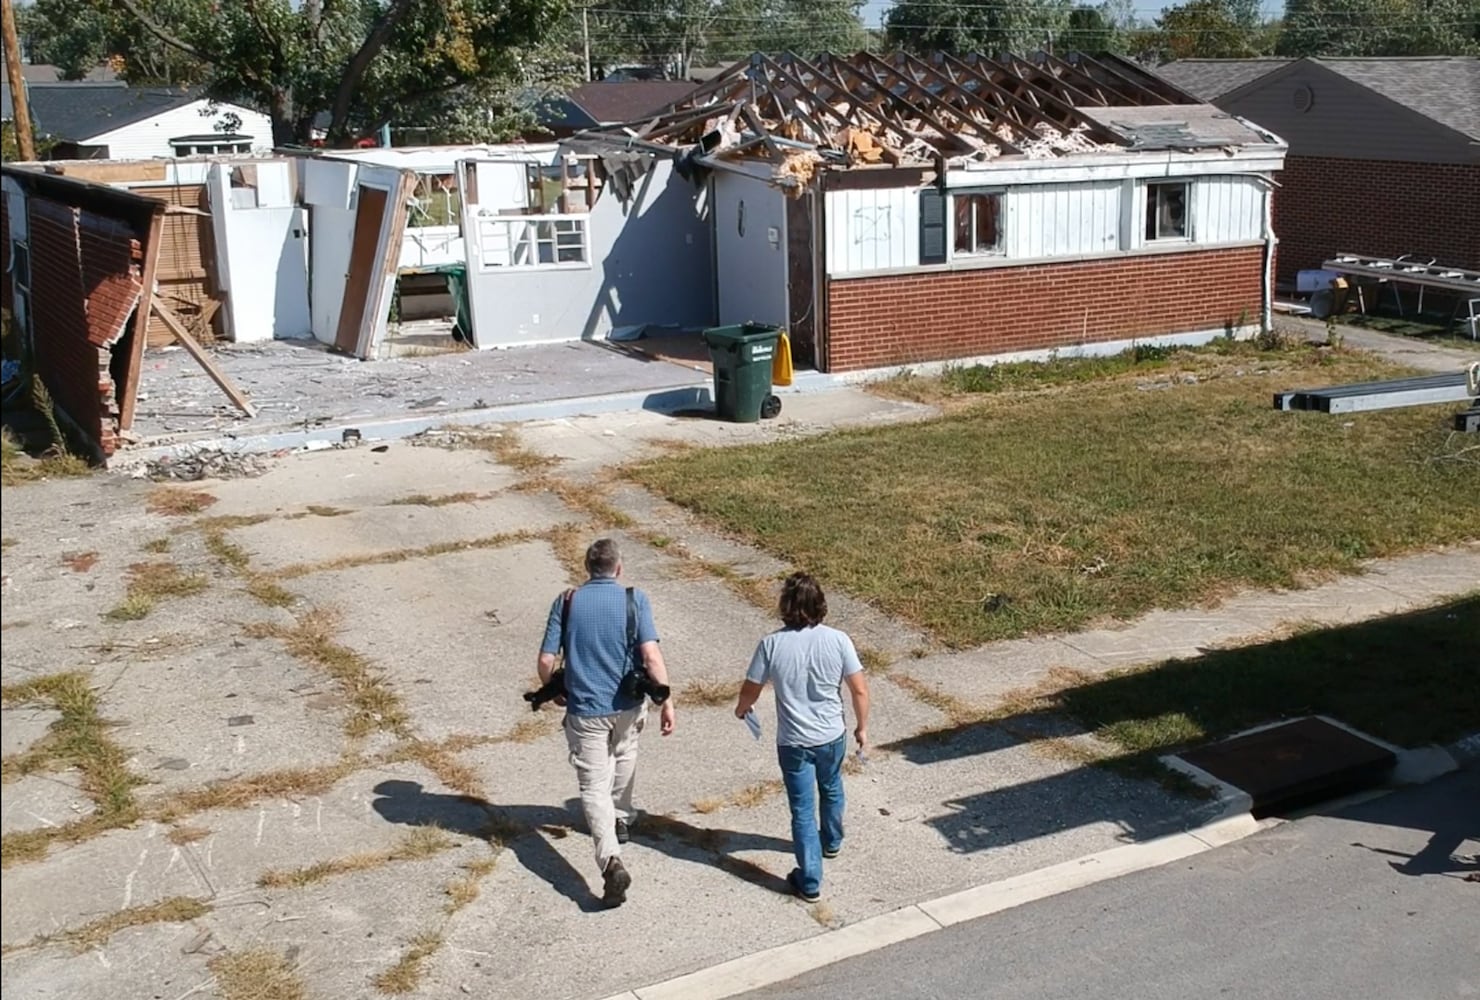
986,27
1204,29
1380,28
359,62
77,37
1088,31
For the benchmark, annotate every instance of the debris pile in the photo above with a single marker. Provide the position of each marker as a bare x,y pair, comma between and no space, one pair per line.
865,110
205,463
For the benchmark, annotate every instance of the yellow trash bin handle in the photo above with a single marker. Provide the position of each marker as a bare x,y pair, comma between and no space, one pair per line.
781,361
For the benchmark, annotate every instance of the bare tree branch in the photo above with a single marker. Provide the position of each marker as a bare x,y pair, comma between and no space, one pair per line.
361,61
159,32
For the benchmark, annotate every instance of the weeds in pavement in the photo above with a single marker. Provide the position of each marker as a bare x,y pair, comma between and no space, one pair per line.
182,835
230,553
420,842
506,447
824,914
953,708
151,582
401,555
157,546
17,468
177,503
405,975
711,694
257,974
269,592
462,891
227,522
441,760
80,562
875,661
706,806
322,510
440,500
94,934
311,638
753,795
237,793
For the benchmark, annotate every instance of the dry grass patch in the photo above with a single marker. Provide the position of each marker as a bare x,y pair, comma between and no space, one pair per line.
80,562
151,582
441,760
268,591
257,974
230,553
532,729
753,795
440,500
311,638
712,694
401,555
177,503
182,835
706,806
875,661
227,522
507,449
1006,519
589,498
79,739
824,914
462,891
420,842
238,793
17,468
405,975
322,510
157,546
175,910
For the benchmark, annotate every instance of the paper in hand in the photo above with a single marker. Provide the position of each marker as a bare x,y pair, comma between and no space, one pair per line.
753,724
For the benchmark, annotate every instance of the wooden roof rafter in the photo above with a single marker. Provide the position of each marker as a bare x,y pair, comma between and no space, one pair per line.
856,101
1069,116
1043,78
1079,76
982,131
1124,83
997,113
1023,112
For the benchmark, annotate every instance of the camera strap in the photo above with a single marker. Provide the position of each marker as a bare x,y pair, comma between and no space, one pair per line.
632,623
565,620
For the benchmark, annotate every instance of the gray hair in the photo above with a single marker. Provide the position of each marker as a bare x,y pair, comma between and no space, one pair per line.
602,558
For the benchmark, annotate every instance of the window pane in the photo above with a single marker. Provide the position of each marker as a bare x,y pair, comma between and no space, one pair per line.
986,210
963,224
1166,211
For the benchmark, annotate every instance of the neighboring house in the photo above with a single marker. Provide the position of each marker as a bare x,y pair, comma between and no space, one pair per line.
46,73
104,121
898,210
1384,153
607,102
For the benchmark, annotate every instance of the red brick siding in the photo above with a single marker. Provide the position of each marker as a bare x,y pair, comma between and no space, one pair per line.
1382,208
911,318
85,283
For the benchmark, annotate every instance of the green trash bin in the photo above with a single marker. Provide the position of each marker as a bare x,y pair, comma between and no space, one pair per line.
742,357
456,276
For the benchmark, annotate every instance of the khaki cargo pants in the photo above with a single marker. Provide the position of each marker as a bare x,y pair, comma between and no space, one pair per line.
603,750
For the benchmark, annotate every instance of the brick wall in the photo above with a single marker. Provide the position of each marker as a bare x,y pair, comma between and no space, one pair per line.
911,318
85,284
1382,208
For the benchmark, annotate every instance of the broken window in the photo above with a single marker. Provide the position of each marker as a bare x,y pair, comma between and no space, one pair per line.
534,241
1166,212
978,224
435,201
569,185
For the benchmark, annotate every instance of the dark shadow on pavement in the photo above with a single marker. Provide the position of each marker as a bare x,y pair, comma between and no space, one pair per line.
527,830
1450,821
1408,679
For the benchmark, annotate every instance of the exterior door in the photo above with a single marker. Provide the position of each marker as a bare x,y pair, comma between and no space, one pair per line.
363,262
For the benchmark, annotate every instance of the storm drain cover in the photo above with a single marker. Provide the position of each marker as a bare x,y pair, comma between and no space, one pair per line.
1295,764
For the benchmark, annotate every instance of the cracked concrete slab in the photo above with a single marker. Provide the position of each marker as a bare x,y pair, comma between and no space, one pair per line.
456,634
127,965
22,727
378,530
44,800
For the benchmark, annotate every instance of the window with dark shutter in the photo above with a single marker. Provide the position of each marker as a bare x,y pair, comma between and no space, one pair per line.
932,227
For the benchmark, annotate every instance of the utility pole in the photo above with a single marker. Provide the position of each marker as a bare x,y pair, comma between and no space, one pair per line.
18,96
585,35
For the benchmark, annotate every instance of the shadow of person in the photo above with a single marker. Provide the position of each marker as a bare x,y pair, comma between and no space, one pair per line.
527,830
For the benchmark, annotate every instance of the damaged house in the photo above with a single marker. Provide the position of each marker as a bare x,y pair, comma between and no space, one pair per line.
883,210
894,210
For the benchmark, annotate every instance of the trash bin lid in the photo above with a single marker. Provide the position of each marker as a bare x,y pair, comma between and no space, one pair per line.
740,333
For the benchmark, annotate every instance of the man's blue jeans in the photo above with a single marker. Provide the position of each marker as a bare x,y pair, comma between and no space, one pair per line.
814,774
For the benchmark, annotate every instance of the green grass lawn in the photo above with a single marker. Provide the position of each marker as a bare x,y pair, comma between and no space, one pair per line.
1047,501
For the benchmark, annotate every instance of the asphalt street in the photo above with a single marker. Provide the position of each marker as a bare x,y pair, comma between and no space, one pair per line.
1365,902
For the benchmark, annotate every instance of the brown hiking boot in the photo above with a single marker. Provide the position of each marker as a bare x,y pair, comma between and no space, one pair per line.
615,882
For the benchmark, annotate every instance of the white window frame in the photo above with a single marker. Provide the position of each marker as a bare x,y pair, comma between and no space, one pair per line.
1000,250
535,242
1151,230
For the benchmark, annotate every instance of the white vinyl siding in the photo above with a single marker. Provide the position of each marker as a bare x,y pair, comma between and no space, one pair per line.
873,230
150,139
1227,209
1063,220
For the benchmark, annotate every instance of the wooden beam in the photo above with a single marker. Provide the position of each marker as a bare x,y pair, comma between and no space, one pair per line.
177,328
185,210
129,397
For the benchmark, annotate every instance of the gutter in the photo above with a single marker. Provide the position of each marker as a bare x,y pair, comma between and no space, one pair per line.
1266,312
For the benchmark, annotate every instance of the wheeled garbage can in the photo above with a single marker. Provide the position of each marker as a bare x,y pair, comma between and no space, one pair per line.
742,357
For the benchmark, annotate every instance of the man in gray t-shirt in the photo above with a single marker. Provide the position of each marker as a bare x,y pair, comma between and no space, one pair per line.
807,663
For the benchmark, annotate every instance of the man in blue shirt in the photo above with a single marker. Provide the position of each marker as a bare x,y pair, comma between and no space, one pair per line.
590,625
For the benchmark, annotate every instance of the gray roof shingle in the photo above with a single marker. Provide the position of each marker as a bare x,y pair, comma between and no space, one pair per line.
1210,79
77,112
1445,89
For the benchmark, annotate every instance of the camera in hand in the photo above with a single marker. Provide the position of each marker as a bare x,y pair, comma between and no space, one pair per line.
549,691
638,684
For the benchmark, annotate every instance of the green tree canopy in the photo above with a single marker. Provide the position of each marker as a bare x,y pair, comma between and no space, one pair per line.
361,62
1205,29
988,27
1380,28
